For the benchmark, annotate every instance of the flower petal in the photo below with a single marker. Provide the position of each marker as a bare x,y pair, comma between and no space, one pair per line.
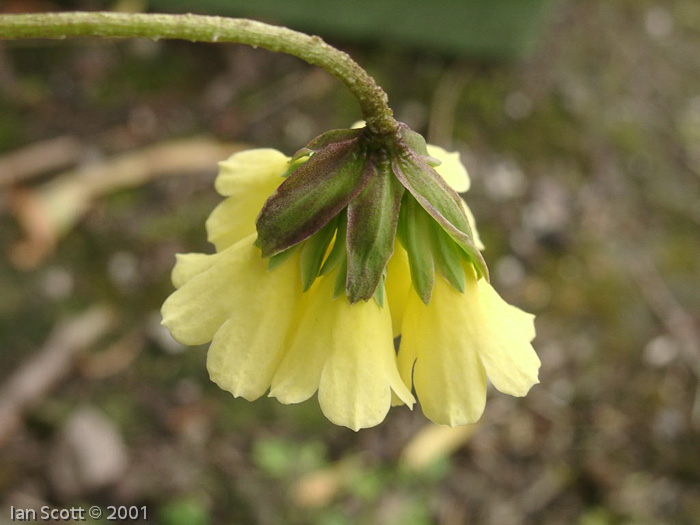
346,353
299,372
199,307
503,334
451,169
472,222
398,285
248,169
360,372
189,265
231,220
249,346
437,354
248,178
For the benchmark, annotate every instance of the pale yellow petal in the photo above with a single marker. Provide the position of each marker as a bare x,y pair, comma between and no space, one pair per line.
249,346
248,169
299,373
451,169
472,222
231,220
247,178
346,352
502,339
398,285
437,355
199,307
189,265
360,372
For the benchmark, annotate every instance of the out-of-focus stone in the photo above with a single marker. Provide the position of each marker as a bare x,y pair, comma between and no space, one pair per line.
88,454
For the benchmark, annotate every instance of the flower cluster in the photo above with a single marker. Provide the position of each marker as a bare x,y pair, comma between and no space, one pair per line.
309,294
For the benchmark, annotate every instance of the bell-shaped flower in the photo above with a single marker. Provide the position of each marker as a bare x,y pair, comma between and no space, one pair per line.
263,330
346,352
359,239
450,346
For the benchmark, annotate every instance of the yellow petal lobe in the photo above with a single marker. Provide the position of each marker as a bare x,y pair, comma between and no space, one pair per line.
344,351
247,178
201,304
503,337
451,169
250,344
360,373
398,286
189,265
437,356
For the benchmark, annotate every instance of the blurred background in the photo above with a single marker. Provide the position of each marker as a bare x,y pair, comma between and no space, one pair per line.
579,122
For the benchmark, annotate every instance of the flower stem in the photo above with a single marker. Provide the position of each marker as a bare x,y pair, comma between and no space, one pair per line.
196,28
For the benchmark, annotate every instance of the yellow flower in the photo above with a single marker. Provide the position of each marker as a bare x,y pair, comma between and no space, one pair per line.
347,353
267,333
450,346
263,330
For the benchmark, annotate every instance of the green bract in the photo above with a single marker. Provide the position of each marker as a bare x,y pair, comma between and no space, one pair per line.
351,192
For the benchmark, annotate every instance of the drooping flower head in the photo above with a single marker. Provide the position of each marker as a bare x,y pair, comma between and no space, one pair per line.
324,258
362,187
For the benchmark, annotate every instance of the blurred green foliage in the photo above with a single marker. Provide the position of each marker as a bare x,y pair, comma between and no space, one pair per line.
487,29
184,512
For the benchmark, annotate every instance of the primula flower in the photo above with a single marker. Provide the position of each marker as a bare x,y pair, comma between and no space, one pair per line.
319,310
263,330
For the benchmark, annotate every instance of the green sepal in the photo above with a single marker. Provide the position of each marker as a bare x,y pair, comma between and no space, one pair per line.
311,196
332,136
293,165
380,292
413,140
339,286
417,144
338,250
447,256
325,139
414,234
372,218
440,201
281,257
313,251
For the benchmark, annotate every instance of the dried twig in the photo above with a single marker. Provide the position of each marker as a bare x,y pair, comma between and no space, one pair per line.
51,210
40,157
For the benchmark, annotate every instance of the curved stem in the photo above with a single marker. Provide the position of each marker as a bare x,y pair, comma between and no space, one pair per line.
197,28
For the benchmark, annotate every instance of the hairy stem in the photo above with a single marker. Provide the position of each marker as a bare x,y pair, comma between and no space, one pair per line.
196,28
